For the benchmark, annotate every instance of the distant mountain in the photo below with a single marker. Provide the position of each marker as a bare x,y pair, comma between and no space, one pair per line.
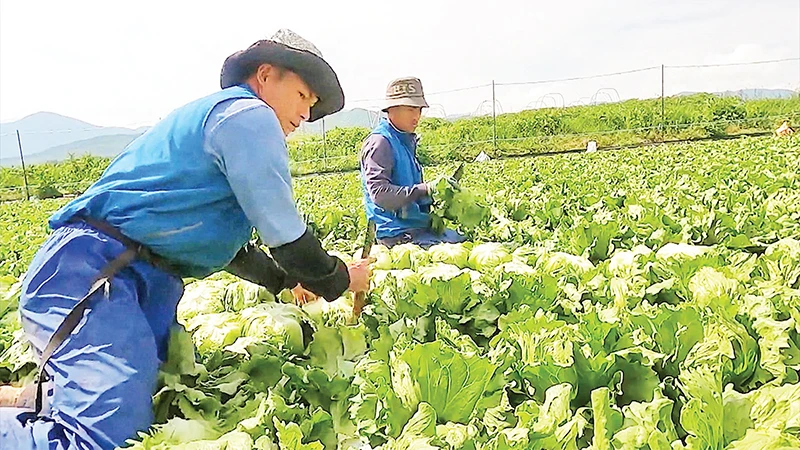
106,146
753,94
46,130
49,136
357,117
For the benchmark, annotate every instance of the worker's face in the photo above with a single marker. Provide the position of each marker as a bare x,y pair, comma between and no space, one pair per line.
405,118
286,93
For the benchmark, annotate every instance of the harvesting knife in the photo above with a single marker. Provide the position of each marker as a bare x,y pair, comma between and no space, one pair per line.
369,238
459,172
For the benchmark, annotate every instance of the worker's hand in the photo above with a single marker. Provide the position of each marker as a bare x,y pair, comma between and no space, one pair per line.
360,272
302,295
431,186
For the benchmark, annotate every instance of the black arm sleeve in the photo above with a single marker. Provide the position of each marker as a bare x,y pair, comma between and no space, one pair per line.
252,264
306,262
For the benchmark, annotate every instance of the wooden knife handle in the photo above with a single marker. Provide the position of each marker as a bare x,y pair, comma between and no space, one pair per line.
359,301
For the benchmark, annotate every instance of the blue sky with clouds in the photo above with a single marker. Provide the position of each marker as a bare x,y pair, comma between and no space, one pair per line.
129,63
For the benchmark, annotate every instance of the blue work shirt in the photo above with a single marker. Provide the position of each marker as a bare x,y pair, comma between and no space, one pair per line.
193,187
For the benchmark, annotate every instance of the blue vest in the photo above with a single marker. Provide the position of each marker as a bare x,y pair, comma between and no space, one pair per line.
167,193
407,172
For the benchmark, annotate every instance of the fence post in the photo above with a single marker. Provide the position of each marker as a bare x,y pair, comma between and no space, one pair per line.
661,127
494,121
324,141
24,172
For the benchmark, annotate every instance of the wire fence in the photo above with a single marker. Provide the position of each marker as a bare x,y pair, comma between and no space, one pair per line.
651,82
668,84
515,118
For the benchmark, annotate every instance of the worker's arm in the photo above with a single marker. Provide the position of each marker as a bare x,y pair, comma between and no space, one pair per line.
254,265
377,163
246,140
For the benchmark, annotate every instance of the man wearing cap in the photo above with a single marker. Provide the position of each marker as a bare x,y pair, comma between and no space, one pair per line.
396,197
100,295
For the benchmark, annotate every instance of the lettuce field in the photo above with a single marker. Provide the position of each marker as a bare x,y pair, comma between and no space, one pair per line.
635,299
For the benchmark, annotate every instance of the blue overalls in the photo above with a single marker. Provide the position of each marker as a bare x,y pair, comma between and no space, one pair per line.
162,191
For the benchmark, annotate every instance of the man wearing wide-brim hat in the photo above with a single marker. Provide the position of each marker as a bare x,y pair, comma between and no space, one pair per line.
395,194
180,201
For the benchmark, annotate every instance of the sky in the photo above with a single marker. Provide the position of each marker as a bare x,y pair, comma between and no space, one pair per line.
131,63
